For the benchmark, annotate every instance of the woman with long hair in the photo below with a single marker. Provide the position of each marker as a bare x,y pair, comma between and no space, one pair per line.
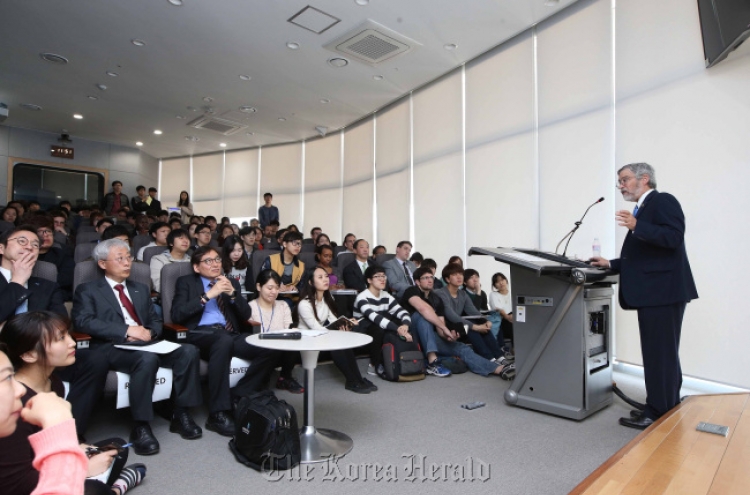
317,309
274,315
234,262
37,343
185,206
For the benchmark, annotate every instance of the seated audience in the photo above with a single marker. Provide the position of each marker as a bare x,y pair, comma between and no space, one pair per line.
211,222
142,223
59,461
478,297
37,343
158,232
59,257
175,223
438,340
417,259
9,214
379,312
400,270
316,310
224,232
501,302
178,245
247,234
202,236
354,272
348,244
431,265
117,232
114,310
322,240
235,265
324,256
287,265
377,250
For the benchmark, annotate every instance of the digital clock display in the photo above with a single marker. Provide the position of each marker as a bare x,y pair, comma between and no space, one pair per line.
61,152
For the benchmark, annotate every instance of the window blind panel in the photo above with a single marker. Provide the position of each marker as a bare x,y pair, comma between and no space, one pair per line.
438,169
393,209
281,175
358,180
208,178
393,137
575,126
323,185
175,178
501,205
241,183
691,124
205,208
323,209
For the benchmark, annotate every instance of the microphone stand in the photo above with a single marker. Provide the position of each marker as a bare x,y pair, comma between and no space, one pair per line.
578,224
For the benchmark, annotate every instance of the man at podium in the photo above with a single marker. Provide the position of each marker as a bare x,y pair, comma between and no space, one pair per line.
655,280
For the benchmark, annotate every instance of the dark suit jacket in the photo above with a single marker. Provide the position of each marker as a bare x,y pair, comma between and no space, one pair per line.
155,207
187,309
353,276
42,295
653,265
96,311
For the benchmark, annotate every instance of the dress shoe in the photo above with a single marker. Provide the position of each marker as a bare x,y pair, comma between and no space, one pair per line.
183,424
636,413
143,440
222,423
358,388
640,423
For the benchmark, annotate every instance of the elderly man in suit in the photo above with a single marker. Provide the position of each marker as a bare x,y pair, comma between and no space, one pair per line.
655,280
399,270
114,310
354,272
211,306
21,293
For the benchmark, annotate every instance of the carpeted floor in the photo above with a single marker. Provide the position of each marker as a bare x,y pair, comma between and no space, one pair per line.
408,438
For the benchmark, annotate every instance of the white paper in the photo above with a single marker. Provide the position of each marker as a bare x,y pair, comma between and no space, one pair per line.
311,333
237,369
526,257
161,347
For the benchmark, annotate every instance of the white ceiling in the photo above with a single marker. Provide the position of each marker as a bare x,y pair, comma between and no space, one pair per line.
201,48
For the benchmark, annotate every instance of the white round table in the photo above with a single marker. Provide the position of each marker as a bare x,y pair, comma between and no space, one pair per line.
317,444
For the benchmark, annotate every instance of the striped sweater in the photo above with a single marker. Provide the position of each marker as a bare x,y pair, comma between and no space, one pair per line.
383,311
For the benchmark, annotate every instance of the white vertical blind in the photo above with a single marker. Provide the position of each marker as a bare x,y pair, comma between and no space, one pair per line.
438,170
241,183
208,171
175,178
323,185
358,180
575,126
501,201
392,171
281,175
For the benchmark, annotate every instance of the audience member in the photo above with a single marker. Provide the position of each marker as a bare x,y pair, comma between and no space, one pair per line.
254,222
140,203
354,272
154,205
185,206
324,257
431,265
175,223
225,232
501,302
34,206
50,253
292,227
417,259
267,212
400,270
478,297
247,234
158,232
202,236
117,232
212,224
178,245
314,233
9,214
234,263
287,265
378,250
348,244
113,201
322,240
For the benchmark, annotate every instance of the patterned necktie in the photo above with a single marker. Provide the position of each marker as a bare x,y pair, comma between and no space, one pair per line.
23,308
127,304
220,302
408,275
364,267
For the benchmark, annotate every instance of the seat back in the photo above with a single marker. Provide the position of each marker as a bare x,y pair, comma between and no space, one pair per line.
152,251
6,226
344,260
87,237
45,270
60,238
83,251
258,258
308,248
382,258
88,271
82,229
169,275
139,241
308,259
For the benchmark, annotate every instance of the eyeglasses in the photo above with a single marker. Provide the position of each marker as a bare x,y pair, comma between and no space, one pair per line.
22,241
426,277
203,232
379,277
296,243
44,232
623,181
122,259
211,261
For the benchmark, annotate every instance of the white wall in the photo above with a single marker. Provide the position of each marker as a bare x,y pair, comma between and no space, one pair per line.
512,148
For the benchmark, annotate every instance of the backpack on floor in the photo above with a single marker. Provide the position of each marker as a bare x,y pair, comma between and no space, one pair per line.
402,361
266,436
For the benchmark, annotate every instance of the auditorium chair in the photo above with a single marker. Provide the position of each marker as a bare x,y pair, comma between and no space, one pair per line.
152,251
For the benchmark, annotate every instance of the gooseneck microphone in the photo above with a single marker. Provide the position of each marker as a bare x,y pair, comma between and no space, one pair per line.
570,234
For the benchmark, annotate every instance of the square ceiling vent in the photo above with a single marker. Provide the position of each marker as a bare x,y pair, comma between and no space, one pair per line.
215,124
372,44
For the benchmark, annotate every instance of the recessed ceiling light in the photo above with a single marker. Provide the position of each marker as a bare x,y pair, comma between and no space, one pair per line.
138,42
450,46
192,109
208,99
378,77
223,145
138,143
77,116
248,109
91,97
112,73
245,77
176,3
362,2
179,117
325,100
157,132
101,87
54,58
192,138
292,45
282,119
338,62
31,106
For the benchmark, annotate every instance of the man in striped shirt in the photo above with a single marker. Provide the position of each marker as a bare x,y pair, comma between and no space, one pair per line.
380,313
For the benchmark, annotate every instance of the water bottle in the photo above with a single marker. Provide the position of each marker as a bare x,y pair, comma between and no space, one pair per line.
596,247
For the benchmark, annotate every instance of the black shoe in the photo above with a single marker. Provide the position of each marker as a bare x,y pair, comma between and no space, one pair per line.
143,440
183,424
640,423
370,385
636,413
358,388
289,384
222,423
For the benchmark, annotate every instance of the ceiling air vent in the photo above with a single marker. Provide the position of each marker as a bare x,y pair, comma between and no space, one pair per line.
222,126
372,44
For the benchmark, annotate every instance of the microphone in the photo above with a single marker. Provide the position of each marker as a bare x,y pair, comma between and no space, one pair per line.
570,234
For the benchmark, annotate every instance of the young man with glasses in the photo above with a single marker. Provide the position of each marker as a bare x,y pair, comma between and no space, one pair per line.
115,310
60,257
202,236
287,265
211,306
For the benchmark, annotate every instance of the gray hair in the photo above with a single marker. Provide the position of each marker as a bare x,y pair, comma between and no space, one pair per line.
101,251
641,169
